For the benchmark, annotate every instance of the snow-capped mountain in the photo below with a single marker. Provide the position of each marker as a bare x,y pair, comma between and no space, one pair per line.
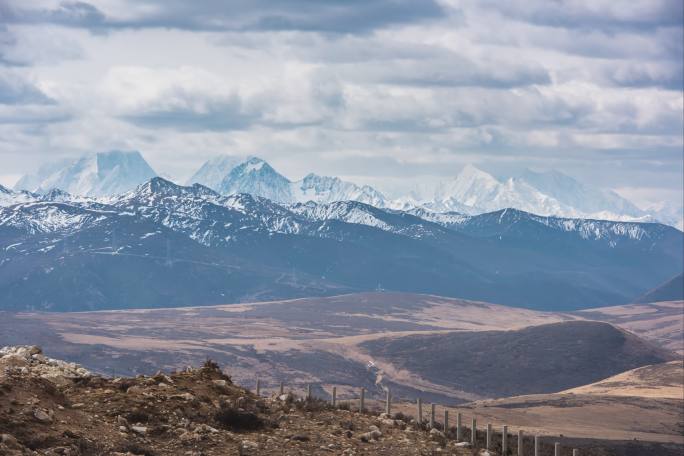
258,178
163,244
9,197
229,175
105,173
471,192
474,191
323,189
214,170
582,197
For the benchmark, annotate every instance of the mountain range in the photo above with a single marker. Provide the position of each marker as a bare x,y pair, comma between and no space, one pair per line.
471,192
102,174
165,245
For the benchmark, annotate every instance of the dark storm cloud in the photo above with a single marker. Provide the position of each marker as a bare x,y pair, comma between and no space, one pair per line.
339,16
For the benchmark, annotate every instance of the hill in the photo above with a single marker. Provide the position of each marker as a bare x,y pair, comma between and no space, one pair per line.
672,290
324,341
531,360
658,381
659,322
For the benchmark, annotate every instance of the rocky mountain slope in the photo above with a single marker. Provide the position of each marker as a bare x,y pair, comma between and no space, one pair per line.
166,245
48,407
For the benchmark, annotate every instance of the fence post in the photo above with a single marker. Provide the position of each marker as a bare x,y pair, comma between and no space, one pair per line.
446,423
363,395
258,387
473,436
282,388
388,402
575,452
432,416
520,442
458,427
504,439
489,436
556,449
308,391
536,445
419,405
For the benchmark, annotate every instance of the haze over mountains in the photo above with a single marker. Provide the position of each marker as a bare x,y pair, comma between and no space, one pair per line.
472,191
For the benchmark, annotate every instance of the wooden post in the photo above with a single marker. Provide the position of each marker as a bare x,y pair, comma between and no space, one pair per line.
556,449
575,452
520,442
473,436
446,423
419,412
258,387
458,427
334,396
388,402
432,416
504,439
308,391
282,388
536,445
489,436
363,394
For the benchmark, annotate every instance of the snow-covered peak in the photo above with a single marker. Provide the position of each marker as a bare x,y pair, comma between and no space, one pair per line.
256,177
105,173
10,197
325,189
214,170
471,187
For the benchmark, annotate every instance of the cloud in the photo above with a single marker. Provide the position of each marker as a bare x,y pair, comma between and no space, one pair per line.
387,88
333,16
585,14
15,90
186,99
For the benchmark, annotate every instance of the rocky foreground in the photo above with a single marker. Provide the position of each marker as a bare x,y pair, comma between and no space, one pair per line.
50,407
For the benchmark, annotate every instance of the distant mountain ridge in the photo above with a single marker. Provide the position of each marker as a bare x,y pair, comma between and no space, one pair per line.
471,192
162,244
101,174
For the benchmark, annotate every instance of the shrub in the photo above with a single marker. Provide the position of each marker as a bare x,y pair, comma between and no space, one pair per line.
238,420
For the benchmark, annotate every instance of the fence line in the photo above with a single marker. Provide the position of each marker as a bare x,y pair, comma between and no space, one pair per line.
431,423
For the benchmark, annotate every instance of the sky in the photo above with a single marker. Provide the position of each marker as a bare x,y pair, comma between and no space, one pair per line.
384,92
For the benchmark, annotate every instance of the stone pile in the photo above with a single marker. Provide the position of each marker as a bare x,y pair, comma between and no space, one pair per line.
29,360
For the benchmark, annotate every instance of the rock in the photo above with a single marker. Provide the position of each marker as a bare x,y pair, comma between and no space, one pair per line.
134,390
462,445
77,406
142,430
284,397
220,383
300,438
248,447
42,416
121,421
9,441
